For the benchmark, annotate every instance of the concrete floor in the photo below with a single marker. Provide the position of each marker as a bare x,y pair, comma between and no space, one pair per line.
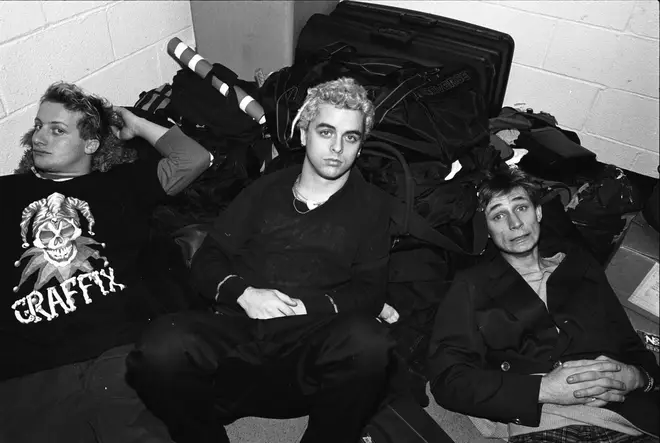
263,430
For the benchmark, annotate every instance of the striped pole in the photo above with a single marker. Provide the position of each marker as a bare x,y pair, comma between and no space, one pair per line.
199,65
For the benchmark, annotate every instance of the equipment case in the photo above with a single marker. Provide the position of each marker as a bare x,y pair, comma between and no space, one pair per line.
424,38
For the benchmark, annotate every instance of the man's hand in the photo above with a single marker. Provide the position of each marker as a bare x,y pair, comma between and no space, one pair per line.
131,124
388,314
135,126
265,304
299,308
602,387
629,375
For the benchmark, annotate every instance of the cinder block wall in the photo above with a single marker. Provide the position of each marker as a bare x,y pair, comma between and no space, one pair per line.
112,48
592,64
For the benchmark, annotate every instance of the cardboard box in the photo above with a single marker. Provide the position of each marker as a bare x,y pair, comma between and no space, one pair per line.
633,274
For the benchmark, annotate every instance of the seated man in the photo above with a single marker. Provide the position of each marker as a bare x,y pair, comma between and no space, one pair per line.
539,343
73,298
297,265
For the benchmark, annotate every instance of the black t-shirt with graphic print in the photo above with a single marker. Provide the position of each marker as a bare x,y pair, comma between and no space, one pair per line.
70,286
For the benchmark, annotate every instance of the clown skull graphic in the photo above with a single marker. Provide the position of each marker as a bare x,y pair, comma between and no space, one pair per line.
60,249
57,238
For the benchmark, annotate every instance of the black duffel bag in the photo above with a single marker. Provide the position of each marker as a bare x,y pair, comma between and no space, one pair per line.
428,113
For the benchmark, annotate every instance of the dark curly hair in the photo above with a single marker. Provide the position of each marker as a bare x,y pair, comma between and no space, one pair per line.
97,116
502,182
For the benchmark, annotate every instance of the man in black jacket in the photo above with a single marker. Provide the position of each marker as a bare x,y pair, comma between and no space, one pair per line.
536,344
297,266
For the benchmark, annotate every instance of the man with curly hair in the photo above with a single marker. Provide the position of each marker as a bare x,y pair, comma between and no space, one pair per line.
297,267
73,296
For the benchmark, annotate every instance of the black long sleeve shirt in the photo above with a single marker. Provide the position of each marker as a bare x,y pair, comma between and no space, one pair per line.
336,253
71,286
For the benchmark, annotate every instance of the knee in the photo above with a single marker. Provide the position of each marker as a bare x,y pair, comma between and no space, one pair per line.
368,342
161,348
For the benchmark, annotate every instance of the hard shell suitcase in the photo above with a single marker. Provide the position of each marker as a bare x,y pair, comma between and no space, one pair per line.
322,30
500,45
421,37
404,421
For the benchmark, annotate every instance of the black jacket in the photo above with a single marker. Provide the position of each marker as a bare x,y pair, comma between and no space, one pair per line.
340,248
493,331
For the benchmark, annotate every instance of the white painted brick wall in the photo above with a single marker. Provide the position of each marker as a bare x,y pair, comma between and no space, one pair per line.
31,63
644,20
134,25
569,98
19,18
609,118
11,129
608,58
112,48
592,64
608,14
60,10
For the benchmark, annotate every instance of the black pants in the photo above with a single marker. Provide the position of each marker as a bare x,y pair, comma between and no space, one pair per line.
84,402
198,371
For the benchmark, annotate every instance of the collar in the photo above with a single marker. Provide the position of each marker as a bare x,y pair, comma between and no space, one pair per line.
355,178
60,179
577,262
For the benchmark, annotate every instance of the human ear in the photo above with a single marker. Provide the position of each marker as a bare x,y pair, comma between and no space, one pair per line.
539,213
303,137
91,146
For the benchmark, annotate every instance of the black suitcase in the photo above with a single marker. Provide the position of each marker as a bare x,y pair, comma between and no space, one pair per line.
427,39
404,421
498,45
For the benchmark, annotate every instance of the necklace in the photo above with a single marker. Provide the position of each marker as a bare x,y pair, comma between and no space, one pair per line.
298,197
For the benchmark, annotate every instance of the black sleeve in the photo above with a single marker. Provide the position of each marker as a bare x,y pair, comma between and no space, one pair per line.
212,263
140,181
367,288
457,371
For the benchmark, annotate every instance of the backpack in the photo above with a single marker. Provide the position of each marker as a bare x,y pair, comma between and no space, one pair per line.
553,153
217,123
597,209
155,99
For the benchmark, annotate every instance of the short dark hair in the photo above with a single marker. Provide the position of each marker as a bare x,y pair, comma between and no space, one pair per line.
503,181
97,116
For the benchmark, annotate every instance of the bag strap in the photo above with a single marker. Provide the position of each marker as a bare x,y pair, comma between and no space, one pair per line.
376,147
420,228
552,189
390,99
413,224
298,71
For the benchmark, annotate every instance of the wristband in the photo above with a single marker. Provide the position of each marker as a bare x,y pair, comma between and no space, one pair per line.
650,381
334,305
217,290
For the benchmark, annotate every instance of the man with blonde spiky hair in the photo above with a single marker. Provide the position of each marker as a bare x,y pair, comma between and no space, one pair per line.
297,266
